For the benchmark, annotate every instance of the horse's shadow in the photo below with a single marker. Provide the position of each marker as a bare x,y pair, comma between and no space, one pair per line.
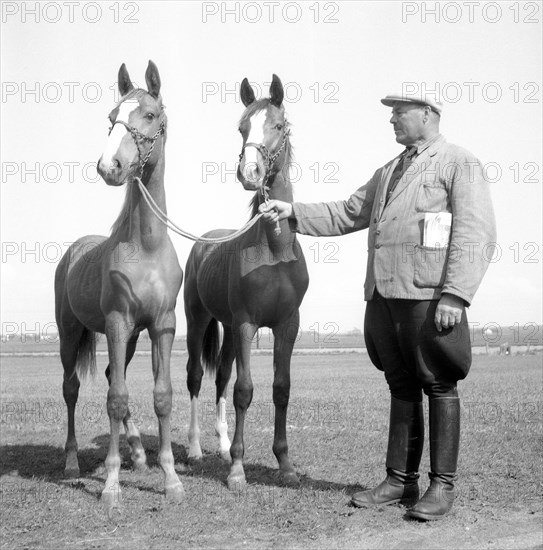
46,463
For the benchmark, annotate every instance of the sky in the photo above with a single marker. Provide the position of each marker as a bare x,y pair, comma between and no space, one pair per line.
59,65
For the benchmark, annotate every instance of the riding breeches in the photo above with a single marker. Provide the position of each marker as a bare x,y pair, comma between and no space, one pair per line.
403,342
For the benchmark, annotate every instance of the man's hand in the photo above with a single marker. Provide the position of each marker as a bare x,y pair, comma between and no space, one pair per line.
448,312
275,210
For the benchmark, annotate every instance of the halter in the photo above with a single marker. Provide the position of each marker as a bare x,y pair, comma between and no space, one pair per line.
268,159
268,163
139,138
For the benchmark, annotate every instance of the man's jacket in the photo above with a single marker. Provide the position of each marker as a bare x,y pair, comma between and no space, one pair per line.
442,178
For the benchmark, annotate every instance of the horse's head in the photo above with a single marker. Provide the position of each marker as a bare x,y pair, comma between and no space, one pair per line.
137,122
265,136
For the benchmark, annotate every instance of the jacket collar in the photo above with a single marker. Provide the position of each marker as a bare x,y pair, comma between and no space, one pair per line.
419,163
432,145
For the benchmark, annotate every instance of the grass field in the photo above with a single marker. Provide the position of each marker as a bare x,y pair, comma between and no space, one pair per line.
337,429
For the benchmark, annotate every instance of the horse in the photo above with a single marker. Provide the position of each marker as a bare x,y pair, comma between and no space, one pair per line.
256,280
123,284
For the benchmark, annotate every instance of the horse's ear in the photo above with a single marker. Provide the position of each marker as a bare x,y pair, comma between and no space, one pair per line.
125,84
246,93
152,78
276,91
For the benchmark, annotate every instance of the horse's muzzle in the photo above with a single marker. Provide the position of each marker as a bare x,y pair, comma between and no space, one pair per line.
250,175
112,174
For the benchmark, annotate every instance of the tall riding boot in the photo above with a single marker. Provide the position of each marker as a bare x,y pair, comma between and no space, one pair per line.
405,442
444,444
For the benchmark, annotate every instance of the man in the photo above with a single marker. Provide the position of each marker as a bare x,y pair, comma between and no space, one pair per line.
419,282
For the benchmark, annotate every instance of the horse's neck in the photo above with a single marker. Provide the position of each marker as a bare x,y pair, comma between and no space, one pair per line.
281,189
143,227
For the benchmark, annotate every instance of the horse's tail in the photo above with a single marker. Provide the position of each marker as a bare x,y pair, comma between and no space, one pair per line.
86,355
211,348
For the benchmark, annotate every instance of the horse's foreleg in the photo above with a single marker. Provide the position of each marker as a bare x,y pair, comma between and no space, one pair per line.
224,371
137,452
117,333
243,334
162,336
284,339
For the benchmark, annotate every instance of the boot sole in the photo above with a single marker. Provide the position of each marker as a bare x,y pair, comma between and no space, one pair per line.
363,504
360,504
423,516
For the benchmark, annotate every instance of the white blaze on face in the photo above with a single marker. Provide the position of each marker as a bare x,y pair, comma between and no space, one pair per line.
119,131
256,135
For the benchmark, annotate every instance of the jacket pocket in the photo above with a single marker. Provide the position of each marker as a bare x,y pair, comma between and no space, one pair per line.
432,197
430,266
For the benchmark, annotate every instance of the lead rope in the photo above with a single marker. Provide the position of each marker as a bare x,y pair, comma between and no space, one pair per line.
162,216
265,194
171,225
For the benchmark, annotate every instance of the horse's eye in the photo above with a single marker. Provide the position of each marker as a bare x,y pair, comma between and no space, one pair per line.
278,126
149,116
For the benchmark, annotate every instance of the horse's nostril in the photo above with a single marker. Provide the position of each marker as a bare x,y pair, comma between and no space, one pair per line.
115,163
252,171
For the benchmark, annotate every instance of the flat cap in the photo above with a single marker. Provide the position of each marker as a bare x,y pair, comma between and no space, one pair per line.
421,99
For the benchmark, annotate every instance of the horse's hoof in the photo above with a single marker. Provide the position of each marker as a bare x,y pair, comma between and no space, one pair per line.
139,461
111,501
114,514
70,473
175,493
195,456
236,483
290,479
225,455
140,467
194,461
99,470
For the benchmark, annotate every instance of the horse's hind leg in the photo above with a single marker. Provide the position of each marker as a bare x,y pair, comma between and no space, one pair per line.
70,336
224,371
196,327
137,452
284,339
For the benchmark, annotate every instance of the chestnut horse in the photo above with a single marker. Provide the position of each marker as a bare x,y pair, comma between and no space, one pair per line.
256,280
122,285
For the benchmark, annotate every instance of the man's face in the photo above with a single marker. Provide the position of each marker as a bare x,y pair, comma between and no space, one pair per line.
407,122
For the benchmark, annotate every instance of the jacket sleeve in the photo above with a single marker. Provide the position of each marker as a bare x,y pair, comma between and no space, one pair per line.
473,232
337,218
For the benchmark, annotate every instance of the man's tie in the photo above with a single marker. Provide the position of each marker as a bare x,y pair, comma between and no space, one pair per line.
400,169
